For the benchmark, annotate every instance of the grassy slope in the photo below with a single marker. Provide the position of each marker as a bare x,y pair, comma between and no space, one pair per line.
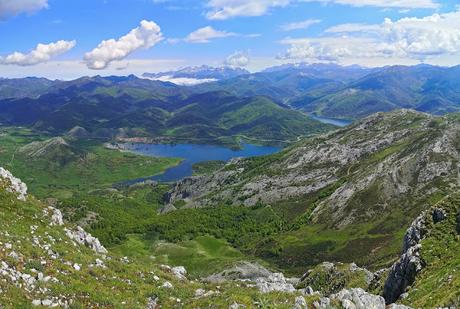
120,284
202,256
96,168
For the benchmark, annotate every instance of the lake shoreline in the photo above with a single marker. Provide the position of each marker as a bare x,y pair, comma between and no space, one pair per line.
190,154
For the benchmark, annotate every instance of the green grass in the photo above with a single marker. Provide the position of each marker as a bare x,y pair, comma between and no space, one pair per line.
201,256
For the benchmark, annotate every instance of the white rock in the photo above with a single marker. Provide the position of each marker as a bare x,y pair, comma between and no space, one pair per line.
47,302
36,302
84,238
199,292
167,285
76,267
56,217
300,303
179,272
14,184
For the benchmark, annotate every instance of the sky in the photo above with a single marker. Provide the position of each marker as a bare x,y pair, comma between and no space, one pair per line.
66,39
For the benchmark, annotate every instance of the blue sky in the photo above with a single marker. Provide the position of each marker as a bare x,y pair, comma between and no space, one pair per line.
265,32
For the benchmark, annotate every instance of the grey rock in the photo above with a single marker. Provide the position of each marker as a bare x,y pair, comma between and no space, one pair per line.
262,278
359,299
84,238
300,303
14,185
152,302
241,271
180,272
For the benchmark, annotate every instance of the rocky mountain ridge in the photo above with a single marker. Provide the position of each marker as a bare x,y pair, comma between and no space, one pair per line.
386,156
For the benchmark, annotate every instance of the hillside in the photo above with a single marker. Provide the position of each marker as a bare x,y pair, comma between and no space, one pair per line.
424,88
128,107
47,262
360,186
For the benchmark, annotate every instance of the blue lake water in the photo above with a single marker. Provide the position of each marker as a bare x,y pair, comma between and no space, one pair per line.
194,153
334,121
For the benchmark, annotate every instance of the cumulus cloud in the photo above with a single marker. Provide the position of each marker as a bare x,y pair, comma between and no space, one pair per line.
9,8
237,59
145,36
41,53
206,34
299,25
225,9
410,38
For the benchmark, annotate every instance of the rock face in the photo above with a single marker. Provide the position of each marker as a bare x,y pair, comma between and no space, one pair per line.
403,273
369,167
13,184
84,238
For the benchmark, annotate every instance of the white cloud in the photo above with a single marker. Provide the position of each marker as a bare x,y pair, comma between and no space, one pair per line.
145,36
206,34
419,39
299,25
238,59
9,8
225,9
41,53
406,4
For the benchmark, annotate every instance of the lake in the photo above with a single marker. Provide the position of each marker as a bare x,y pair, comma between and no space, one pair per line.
334,121
194,153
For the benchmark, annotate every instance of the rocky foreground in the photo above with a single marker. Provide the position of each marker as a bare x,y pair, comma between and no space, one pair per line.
48,263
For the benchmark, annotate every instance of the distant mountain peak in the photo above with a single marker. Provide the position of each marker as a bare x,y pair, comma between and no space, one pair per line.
197,74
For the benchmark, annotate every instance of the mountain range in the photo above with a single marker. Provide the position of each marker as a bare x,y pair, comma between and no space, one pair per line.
327,90
132,107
